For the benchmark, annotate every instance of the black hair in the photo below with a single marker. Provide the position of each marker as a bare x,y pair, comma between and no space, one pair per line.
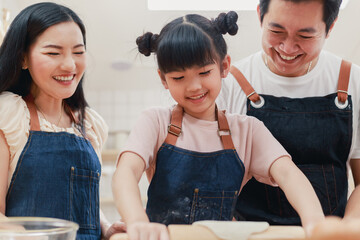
330,10
29,24
189,40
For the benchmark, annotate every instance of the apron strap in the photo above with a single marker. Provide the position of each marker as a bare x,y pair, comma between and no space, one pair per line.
224,130
343,82
174,128
34,119
244,84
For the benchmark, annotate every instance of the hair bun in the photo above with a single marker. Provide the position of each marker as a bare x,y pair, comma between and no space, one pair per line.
147,43
226,23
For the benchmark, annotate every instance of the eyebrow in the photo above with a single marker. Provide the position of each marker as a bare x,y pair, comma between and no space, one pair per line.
303,30
60,47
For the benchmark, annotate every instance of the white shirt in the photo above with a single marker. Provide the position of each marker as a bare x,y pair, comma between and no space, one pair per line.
322,80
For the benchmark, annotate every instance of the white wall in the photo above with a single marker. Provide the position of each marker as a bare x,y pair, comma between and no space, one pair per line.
113,26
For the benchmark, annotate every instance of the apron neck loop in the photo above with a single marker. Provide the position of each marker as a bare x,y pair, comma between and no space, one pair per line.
245,85
174,128
343,83
34,119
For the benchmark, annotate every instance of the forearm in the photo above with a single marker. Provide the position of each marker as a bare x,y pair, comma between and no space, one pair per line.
127,196
298,191
303,197
353,207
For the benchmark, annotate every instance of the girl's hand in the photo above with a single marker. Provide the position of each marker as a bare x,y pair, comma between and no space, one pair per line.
147,231
116,227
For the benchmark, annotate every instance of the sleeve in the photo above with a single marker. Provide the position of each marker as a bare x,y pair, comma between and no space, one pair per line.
354,90
14,121
265,151
147,135
96,130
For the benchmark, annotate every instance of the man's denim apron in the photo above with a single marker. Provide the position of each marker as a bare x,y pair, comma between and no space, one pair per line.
57,176
317,132
189,186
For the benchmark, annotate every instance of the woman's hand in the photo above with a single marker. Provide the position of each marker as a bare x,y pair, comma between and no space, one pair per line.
116,227
147,231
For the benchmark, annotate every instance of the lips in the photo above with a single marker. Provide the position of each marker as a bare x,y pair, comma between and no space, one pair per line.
198,96
64,78
288,58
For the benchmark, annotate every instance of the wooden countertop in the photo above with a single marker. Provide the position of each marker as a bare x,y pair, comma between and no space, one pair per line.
272,233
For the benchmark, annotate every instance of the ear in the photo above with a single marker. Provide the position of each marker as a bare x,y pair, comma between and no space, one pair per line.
226,63
24,63
258,13
163,80
331,27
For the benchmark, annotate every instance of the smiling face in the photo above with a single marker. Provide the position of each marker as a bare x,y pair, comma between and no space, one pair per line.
196,88
56,61
293,35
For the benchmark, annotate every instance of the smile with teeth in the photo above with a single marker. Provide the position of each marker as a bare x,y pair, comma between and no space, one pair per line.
64,78
198,97
288,58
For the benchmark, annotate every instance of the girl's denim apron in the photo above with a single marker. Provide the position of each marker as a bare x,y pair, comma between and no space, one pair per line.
189,186
57,176
317,132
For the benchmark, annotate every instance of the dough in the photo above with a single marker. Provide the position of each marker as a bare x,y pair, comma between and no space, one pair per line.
233,230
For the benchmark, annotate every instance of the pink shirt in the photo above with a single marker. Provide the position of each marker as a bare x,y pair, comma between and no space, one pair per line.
255,145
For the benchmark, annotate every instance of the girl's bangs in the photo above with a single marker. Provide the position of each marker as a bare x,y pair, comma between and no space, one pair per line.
183,48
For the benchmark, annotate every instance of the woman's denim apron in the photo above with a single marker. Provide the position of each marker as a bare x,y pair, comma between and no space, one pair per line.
57,176
317,132
189,186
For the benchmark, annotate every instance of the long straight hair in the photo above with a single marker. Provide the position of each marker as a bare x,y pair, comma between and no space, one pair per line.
22,33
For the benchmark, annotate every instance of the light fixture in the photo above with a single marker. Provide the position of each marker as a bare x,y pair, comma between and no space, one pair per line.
344,3
206,5
202,5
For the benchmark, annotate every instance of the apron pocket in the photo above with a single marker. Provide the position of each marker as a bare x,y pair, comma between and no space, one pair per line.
323,180
326,183
84,197
213,205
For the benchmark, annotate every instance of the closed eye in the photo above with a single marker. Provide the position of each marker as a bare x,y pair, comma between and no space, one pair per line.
79,53
276,32
53,53
205,73
306,37
178,78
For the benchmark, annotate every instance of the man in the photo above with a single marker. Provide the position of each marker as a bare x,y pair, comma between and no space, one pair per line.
308,104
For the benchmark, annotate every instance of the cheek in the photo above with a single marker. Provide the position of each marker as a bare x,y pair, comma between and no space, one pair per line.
312,48
268,40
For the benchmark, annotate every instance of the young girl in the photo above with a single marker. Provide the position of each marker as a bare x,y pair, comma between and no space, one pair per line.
197,157
50,141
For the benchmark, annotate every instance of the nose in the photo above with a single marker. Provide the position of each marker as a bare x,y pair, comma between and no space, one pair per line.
68,63
194,84
289,46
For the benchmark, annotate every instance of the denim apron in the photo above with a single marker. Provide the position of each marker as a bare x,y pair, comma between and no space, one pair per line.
189,186
317,132
57,176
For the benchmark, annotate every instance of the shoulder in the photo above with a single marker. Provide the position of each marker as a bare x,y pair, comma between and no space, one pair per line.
243,122
13,111
11,102
159,114
14,120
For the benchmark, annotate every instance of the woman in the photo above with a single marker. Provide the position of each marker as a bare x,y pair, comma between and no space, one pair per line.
50,141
